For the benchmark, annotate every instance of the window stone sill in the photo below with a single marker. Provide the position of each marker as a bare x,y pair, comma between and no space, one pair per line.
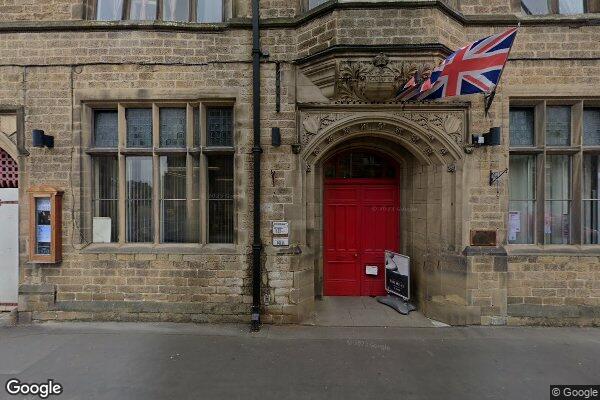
552,250
112,248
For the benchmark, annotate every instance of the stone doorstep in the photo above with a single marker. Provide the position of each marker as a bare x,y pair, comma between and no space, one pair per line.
8,317
7,308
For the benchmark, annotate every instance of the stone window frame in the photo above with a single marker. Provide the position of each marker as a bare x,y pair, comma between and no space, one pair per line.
200,150
90,11
540,150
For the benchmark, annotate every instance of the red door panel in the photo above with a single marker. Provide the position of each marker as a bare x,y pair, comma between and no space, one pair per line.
361,221
341,241
379,215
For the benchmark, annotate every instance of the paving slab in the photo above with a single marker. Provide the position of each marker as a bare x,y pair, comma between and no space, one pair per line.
362,311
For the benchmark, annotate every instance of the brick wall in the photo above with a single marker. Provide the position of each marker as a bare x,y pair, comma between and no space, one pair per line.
553,289
40,10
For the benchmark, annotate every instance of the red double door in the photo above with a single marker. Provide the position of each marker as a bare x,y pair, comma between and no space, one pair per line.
361,221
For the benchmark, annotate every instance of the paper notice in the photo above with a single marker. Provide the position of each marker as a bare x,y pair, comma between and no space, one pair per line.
514,224
44,234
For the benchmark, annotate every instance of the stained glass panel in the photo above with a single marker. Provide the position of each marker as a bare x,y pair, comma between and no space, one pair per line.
106,131
220,126
558,126
591,126
172,127
521,127
139,127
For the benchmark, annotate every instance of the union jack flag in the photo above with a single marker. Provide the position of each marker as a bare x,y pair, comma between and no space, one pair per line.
475,68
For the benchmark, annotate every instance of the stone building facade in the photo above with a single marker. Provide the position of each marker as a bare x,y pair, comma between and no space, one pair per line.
152,125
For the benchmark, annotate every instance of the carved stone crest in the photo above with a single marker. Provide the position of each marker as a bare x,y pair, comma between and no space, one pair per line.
376,81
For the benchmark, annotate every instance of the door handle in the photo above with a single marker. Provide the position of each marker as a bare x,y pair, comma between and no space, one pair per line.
355,255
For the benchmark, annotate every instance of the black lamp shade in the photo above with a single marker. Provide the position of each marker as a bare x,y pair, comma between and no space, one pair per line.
493,137
40,139
276,137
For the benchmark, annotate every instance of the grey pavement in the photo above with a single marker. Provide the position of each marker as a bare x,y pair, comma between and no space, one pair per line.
186,361
363,311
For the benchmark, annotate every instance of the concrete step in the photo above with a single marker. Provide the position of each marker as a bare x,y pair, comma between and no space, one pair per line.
8,318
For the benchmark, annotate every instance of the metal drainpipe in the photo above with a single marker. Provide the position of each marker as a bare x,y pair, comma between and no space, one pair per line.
256,151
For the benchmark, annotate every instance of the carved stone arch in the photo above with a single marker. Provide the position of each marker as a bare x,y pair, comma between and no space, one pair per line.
8,134
425,138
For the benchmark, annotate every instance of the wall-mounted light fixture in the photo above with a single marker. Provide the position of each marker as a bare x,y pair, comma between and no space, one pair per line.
40,139
491,138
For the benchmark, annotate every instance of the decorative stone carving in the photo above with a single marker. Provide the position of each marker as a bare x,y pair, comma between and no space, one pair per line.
8,127
313,124
439,133
376,81
449,123
452,168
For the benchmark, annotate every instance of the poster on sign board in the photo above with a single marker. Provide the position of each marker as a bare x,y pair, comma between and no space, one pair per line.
397,274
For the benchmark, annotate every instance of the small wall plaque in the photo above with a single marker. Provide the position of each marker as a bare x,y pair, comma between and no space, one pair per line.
281,228
483,238
281,241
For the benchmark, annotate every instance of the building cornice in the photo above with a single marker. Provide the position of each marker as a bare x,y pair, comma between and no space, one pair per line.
389,49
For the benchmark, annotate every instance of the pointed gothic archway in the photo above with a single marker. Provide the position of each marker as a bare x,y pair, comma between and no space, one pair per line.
429,149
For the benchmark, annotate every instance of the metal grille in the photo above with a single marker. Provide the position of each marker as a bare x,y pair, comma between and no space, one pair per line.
139,200
220,126
220,199
9,171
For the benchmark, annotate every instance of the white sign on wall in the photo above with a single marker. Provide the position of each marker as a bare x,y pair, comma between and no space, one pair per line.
281,228
281,241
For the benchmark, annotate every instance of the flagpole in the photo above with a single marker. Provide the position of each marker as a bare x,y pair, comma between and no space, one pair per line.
489,99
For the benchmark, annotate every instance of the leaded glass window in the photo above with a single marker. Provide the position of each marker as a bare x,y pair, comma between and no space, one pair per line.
172,127
159,200
521,127
591,126
558,126
220,126
553,181
106,128
139,127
